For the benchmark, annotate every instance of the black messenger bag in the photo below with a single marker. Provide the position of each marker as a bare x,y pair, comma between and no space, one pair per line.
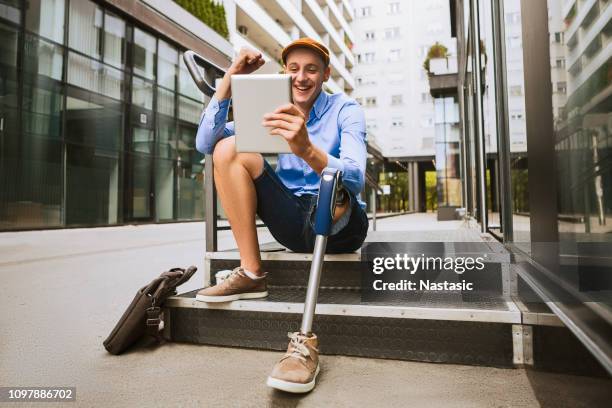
143,319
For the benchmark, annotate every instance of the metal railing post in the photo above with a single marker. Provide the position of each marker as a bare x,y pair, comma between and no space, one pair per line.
478,112
503,126
210,202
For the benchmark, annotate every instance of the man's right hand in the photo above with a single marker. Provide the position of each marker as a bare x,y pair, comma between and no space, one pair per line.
248,61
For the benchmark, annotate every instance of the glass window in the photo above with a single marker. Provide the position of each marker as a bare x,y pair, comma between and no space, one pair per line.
144,54
489,95
365,11
85,27
582,124
394,55
186,85
114,40
43,57
142,93
95,76
167,65
189,110
165,102
31,176
8,46
42,110
94,129
165,169
46,18
10,11
517,125
190,189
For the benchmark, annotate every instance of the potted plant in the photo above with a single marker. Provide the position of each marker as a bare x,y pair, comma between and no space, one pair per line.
435,51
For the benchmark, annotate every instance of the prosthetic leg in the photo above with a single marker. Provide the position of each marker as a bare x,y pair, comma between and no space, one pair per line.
330,180
297,370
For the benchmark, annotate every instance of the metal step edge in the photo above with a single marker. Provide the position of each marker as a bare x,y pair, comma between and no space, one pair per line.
284,256
513,315
352,257
439,341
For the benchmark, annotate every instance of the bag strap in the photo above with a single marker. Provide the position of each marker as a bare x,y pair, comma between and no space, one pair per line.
166,282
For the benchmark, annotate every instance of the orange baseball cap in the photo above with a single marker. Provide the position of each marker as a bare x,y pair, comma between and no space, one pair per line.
307,42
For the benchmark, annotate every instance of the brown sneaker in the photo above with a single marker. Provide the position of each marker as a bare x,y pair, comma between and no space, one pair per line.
237,285
297,370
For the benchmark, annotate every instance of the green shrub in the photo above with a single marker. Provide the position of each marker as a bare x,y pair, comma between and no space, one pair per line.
210,13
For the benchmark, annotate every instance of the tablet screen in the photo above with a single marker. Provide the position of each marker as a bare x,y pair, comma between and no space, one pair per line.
253,96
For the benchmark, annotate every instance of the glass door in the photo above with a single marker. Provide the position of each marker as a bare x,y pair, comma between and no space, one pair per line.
139,195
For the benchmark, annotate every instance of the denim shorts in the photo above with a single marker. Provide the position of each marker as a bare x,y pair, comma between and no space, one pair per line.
290,218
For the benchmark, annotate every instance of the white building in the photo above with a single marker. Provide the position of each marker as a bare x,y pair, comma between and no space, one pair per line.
392,41
558,61
588,40
269,25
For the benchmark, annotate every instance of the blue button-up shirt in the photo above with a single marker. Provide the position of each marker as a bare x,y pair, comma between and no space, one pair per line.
336,125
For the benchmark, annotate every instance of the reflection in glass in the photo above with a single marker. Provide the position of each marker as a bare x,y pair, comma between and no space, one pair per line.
144,54
94,124
186,85
93,132
31,170
190,183
142,93
142,141
8,45
46,18
114,40
167,65
189,110
165,102
581,76
517,123
489,94
141,185
141,164
582,111
10,11
165,169
10,155
42,57
95,76
42,110
85,27
447,137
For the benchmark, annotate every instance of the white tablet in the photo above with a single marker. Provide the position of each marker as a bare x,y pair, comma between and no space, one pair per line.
253,96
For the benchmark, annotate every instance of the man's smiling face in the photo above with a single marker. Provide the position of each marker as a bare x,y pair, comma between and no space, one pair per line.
308,72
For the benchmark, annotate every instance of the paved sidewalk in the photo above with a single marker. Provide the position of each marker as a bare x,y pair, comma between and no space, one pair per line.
62,292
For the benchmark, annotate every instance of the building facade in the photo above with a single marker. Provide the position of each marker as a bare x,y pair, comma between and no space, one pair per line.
391,83
269,25
393,40
98,113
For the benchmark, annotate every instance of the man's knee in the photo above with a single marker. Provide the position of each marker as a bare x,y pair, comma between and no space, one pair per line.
224,152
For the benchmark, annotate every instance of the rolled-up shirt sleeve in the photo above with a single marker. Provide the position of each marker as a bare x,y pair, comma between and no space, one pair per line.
213,125
353,155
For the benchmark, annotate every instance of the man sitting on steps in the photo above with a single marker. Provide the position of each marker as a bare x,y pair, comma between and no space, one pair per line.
322,131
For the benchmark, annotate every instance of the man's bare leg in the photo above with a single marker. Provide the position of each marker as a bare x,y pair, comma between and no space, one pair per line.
234,174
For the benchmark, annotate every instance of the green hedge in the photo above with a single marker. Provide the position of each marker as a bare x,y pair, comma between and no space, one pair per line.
210,13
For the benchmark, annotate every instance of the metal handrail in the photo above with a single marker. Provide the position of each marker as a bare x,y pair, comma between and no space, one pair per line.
193,61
